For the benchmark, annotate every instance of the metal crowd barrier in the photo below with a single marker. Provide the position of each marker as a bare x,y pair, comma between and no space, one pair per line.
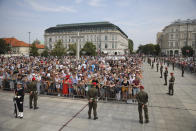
105,93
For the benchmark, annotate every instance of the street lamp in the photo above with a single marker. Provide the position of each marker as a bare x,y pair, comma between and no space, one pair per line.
29,41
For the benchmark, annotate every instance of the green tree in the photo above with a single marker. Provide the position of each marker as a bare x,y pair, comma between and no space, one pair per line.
130,46
4,47
89,49
45,53
72,49
157,49
187,51
58,49
33,50
36,41
148,49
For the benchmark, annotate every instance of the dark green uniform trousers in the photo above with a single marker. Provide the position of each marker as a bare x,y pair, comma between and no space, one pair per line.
165,77
92,105
33,97
171,89
145,112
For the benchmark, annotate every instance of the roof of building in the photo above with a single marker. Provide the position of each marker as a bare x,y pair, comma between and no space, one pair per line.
181,22
78,26
16,43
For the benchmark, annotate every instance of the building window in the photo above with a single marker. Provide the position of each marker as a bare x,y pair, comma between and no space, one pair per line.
171,36
50,39
106,37
115,45
106,45
112,45
176,35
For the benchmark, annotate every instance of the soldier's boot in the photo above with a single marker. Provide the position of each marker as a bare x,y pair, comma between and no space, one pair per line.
21,115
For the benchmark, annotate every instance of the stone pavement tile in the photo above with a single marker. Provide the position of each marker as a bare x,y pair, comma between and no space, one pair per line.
148,128
11,123
4,129
81,123
172,127
49,128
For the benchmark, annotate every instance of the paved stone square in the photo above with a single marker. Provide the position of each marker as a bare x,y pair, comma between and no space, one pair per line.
166,113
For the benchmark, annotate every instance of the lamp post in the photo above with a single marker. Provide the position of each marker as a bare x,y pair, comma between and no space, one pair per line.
29,41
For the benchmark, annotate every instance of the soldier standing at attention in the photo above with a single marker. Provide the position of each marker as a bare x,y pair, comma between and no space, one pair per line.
173,64
161,70
183,66
165,75
19,97
142,98
92,97
157,66
171,84
33,94
152,64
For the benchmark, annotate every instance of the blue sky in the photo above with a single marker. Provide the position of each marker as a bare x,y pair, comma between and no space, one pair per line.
139,19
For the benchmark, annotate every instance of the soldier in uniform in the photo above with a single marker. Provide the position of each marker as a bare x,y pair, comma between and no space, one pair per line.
183,66
33,94
161,70
157,66
152,64
19,97
165,75
173,64
171,84
92,97
142,98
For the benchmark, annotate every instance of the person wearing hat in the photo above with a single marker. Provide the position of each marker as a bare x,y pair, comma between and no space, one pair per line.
33,93
92,97
171,84
142,98
165,75
19,97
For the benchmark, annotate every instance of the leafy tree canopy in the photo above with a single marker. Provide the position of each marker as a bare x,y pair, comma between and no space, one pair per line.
33,50
89,49
187,51
130,45
59,49
4,47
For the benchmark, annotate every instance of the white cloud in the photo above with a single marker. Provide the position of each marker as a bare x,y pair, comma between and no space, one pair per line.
38,7
96,3
78,1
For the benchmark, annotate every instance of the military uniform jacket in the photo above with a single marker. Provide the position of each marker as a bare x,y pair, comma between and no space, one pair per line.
166,73
161,68
142,97
20,93
172,80
92,94
32,86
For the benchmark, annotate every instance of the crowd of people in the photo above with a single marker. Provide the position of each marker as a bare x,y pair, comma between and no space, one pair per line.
117,78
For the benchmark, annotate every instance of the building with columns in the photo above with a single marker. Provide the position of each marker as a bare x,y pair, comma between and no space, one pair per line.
107,37
177,35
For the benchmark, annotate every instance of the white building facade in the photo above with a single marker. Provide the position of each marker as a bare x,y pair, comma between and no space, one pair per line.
107,37
177,35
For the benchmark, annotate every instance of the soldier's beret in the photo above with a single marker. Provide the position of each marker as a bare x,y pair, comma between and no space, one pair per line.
141,87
